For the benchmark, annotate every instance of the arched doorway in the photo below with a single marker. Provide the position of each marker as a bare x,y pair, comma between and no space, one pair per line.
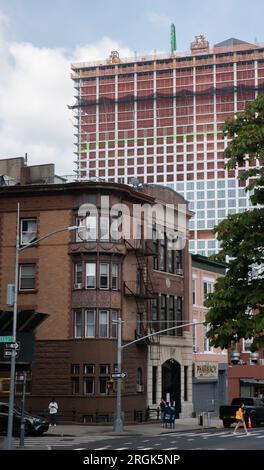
171,383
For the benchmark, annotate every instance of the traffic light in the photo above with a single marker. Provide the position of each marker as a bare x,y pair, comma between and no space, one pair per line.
110,385
4,385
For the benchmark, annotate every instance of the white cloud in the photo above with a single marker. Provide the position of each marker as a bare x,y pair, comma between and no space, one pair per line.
35,88
159,19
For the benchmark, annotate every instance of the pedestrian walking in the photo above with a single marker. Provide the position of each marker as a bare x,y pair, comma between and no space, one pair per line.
240,418
53,410
162,408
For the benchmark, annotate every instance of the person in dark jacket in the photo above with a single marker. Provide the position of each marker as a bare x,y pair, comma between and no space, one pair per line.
162,408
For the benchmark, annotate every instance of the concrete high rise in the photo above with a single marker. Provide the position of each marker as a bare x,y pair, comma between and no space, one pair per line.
159,119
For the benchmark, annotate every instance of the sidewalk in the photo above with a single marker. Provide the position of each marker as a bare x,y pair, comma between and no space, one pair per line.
141,429
145,429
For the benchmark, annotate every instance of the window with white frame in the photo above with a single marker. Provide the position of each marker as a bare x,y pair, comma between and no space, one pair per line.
80,233
28,231
78,275
247,343
207,287
194,335
114,324
88,228
104,228
103,323
163,251
114,276
90,323
90,275
104,371
77,324
116,228
88,383
27,277
104,276
75,379
91,227
179,316
171,256
75,385
207,347
88,369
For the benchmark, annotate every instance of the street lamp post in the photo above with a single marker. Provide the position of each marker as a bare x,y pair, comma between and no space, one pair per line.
14,334
118,422
118,426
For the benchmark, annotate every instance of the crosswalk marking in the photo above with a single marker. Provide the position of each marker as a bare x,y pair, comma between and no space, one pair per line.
100,448
170,448
59,441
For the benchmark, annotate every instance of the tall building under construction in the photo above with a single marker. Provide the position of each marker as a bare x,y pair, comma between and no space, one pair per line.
158,119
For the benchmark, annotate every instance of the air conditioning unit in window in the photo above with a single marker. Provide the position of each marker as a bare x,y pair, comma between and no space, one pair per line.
179,272
78,285
140,388
196,349
28,237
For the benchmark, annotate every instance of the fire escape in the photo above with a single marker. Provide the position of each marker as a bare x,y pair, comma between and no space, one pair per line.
142,292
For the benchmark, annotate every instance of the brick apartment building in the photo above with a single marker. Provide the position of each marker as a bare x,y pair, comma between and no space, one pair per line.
219,375
159,118
80,286
210,365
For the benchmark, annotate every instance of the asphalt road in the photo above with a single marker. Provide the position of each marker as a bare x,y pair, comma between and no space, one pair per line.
211,440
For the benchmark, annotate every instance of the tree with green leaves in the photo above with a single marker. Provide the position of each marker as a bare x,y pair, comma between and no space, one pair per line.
236,307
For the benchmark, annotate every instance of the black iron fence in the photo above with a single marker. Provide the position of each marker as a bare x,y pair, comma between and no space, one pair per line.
98,417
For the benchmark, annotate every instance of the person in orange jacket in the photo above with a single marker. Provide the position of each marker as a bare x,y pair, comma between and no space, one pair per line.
240,418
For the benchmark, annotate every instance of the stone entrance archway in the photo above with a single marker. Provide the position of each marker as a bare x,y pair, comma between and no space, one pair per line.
171,383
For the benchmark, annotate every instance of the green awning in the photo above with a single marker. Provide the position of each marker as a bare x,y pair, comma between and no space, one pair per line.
27,320
252,381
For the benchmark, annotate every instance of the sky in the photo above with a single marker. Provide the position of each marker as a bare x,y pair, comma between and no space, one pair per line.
40,38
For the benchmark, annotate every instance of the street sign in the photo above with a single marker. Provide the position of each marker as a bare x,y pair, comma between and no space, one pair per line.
118,375
11,346
11,352
6,339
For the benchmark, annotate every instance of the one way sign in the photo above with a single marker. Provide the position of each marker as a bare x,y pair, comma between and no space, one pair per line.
12,346
11,352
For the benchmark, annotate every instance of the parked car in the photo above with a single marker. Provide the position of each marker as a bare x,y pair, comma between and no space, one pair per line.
34,425
254,407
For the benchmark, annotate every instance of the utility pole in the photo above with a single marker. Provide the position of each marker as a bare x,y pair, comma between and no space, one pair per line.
118,422
13,356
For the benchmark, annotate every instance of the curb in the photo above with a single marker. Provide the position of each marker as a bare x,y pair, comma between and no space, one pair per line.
136,433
